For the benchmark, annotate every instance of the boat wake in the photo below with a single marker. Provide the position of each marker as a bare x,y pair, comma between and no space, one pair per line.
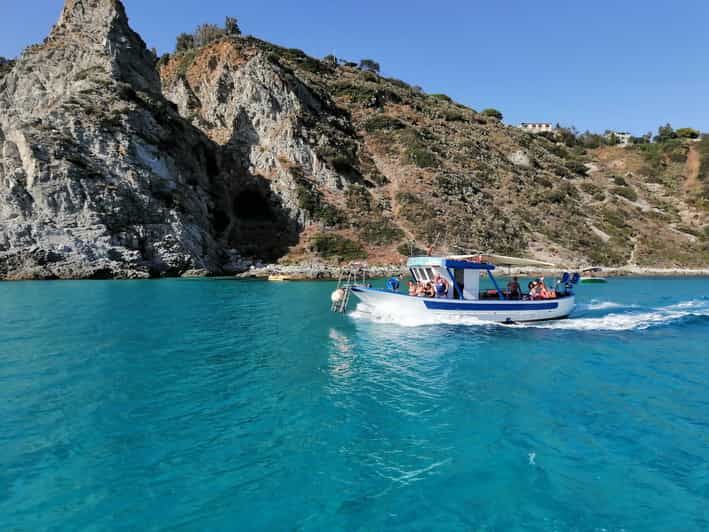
622,317
595,304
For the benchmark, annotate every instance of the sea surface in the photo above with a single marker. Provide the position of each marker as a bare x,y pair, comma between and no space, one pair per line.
241,405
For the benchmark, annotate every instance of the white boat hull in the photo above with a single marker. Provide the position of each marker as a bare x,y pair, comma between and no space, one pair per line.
484,310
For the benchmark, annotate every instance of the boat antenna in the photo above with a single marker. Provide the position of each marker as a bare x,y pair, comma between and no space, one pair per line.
435,241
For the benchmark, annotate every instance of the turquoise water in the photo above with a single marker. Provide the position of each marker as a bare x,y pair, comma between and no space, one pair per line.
224,405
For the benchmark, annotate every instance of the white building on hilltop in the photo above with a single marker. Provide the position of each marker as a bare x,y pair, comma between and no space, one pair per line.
536,127
622,136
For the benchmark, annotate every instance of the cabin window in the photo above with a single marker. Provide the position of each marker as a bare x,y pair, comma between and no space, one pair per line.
429,272
460,280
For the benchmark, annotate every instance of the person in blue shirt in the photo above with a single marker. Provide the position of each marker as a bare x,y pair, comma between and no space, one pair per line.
393,283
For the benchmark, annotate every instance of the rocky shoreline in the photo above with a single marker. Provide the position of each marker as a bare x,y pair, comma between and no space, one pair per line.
315,271
323,271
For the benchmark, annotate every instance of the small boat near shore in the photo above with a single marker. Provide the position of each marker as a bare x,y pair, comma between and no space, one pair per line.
589,276
463,297
279,278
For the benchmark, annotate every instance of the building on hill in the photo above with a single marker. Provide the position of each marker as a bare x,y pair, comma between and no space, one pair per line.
623,137
536,127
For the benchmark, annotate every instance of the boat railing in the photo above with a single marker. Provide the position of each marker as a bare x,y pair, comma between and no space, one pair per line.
355,273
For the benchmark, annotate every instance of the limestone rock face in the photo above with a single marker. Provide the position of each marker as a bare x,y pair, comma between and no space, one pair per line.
263,115
99,175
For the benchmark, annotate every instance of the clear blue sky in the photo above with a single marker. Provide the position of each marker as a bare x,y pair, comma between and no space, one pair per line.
627,65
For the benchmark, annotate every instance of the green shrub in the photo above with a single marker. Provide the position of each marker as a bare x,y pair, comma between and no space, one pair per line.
450,115
493,113
421,157
576,167
626,192
358,199
594,190
381,232
409,249
417,152
312,202
620,181
207,33
369,65
563,194
687,133
331,246
383,123
184,42
186,60
442,97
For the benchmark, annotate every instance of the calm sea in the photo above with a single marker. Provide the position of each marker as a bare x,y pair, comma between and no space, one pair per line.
229,405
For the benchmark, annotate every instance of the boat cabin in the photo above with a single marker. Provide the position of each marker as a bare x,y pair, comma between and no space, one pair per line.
463,276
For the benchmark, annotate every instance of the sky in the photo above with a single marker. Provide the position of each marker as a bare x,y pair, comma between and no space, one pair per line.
627,66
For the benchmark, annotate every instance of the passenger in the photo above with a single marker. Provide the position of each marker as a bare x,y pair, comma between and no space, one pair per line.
428,290
441,287
413,289
513,289
393,283
533,290
542,289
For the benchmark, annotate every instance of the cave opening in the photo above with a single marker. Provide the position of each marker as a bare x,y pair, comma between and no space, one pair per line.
251,205
262,227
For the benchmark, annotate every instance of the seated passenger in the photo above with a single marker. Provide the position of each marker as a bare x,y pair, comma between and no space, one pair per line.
513,289
533,290
428,290
413,289
441,287
542,289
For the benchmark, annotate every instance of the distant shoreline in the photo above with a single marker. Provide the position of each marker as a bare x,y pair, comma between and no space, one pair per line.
329,272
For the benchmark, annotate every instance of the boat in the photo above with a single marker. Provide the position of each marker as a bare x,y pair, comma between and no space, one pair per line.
588,276
279,278
464,298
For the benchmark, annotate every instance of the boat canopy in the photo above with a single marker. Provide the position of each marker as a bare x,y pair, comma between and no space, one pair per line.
483,261
458,263
502,260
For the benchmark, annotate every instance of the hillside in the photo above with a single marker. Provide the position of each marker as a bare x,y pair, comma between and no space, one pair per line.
242,150
420,170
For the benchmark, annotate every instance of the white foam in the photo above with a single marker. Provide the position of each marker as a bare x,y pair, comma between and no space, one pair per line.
594,304
630,320
364,312
617,321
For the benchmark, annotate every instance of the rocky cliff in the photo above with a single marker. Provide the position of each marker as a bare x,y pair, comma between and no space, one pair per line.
99,174
113,164
374,167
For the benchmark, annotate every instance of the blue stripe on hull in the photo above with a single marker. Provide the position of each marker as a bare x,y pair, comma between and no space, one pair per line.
446,305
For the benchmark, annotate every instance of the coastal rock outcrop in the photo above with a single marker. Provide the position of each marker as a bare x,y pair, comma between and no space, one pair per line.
293,143
99,174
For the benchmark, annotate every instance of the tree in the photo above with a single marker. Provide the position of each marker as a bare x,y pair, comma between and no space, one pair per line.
231,26
566,135
206,33
369,65
185,42
493,113
687,133
665,133
330,60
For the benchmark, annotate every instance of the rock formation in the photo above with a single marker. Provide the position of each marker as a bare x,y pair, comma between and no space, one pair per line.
99,175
